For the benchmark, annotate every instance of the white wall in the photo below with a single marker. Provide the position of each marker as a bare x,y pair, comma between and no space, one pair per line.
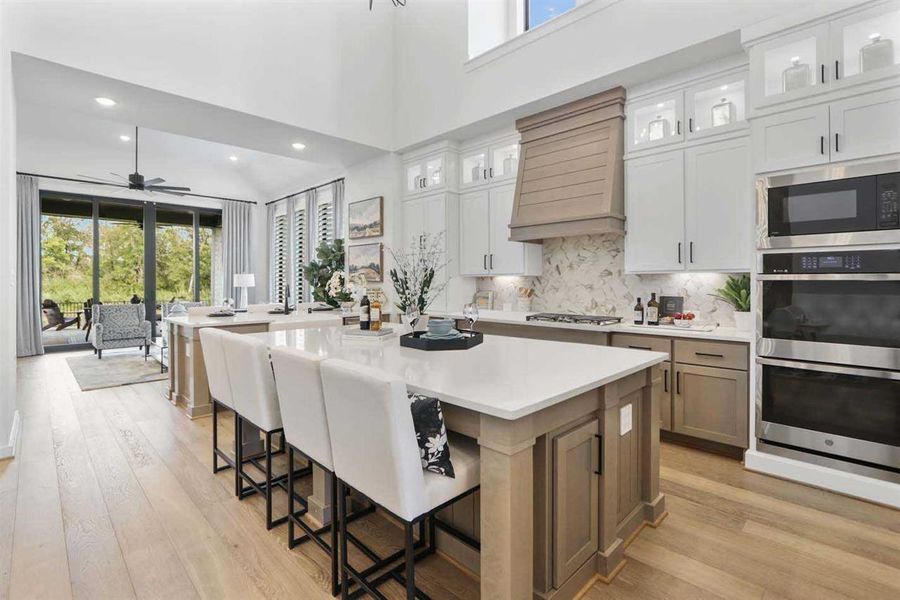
8,239
323,65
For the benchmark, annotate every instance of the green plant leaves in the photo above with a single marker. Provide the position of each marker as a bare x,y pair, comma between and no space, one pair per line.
735,292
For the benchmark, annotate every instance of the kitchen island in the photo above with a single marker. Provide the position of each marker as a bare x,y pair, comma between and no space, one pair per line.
569,446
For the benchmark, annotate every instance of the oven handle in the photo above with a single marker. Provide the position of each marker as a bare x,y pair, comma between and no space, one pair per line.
806,366
830,277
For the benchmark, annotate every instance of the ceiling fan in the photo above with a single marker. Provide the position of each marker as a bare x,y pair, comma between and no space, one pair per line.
136,181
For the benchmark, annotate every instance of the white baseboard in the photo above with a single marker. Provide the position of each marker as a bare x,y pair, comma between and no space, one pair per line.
9,450
850,484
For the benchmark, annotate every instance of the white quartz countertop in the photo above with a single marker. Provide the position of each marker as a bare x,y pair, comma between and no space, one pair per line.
258,318
505,377
727,334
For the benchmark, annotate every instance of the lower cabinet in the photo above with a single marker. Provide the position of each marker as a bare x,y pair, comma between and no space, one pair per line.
576,466
711,403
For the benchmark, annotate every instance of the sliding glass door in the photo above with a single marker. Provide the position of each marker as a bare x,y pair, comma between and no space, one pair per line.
115,251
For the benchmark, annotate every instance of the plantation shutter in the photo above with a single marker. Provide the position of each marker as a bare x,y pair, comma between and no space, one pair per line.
325,217
280,255
300,252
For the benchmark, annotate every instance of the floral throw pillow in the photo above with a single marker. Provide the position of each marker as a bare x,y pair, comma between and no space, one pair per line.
431,434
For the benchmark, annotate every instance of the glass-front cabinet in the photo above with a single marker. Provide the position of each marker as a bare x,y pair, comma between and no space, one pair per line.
716,106
473,165
504,161
866,45
790,67
426,174
414,178
489,164
656,121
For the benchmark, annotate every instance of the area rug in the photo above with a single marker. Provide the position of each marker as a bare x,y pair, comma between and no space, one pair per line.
113,370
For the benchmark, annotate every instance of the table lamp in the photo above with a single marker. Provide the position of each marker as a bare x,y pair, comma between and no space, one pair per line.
244,281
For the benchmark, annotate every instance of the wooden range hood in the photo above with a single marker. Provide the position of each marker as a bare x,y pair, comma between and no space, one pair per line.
571,176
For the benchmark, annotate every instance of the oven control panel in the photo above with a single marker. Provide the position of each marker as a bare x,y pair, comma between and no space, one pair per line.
848,261
888,204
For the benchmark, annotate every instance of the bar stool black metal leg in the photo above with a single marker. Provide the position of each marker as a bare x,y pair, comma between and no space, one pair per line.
215,426
334,537
341,506
239,454
410,558
432,543
290,520
268,488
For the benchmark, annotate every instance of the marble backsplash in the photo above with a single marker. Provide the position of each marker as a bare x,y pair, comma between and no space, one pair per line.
586,274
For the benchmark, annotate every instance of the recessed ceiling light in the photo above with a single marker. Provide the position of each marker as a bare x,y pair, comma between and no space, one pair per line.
232,158
723,88
105,101
299,146
124,138
660,105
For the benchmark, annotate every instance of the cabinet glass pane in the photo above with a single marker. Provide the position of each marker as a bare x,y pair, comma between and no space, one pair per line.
505,160
434,171
791,67
655,122
719,106
871,44
473,167
413,175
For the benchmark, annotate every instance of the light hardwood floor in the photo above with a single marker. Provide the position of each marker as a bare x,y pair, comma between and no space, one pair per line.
112,496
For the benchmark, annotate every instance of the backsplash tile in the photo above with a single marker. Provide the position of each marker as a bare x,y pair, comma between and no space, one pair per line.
586,274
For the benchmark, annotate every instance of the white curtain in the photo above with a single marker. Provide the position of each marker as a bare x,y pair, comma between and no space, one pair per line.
28,284
338,199
271,209
236,223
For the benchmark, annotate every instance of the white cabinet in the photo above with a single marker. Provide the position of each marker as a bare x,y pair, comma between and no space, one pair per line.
654,212
797,138
490,163
428,215
690,209
428,174
866,45
790,66
718,206
866,125
716,106
655,121
485,248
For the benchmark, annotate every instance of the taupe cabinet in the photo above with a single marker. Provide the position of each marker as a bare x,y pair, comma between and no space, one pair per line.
705,391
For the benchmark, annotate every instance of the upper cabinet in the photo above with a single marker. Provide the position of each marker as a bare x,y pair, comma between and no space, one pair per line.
716,106
430,172
866,45
494,162
789,67
655,121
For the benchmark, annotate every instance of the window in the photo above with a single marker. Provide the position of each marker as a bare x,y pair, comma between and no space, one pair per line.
279,254
324,216
541,11
300,250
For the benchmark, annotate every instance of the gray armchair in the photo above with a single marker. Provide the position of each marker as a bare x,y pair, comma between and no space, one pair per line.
120,326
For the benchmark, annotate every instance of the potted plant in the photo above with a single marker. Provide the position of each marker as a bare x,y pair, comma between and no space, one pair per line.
736,292
329,260
414,272
346,290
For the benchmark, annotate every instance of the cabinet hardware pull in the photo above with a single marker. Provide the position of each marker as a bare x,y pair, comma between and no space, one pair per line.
712,354
640,347
678,127
491,261
484,261
836,73
665,380
484,174
599,470
677,382
691,252
823,72
822,144
837,142
491,172
691,124
679,253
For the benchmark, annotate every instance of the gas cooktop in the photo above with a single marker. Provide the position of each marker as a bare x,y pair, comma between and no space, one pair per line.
570,318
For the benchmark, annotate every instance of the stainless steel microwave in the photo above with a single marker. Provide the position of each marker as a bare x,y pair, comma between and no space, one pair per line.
836,205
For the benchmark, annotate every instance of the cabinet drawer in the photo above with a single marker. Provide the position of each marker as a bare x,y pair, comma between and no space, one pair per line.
642,342
712,354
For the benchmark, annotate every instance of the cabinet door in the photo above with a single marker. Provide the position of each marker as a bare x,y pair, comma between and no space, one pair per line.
434,176
505,257
866,45
867,125
414,178
712,404
665,398
654,209
576,499
655,122
797,138
413,224
504,161
790,66
718,206
474,167
474,233
716,106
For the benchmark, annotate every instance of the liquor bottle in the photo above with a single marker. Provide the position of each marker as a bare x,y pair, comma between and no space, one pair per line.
375,315
795,76
639,313
364,313
877,54
658,128
653,310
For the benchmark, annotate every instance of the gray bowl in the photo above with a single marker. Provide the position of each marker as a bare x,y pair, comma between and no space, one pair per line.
440,326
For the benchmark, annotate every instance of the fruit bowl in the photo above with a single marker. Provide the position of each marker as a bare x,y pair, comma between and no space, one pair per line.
685,320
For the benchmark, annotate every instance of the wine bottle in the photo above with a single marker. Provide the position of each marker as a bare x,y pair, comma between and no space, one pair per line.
364,313
639,313
375,315
653,310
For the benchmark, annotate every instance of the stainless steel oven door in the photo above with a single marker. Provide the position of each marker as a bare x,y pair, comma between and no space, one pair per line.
850,319
834,410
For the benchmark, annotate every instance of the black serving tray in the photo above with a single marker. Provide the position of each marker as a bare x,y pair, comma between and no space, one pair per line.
470,339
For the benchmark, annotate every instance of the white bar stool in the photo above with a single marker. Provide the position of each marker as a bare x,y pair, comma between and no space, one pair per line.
256,400
373,444
220,394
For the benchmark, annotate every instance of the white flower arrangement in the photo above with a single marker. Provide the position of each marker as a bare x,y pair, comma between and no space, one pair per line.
346,289
415,270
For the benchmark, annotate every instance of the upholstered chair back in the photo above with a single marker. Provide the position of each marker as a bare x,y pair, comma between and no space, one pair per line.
119,315
167,307
298,380
252,381
373,440
216,369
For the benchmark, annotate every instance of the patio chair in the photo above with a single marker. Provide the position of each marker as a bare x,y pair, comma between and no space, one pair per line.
120,326
55,317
